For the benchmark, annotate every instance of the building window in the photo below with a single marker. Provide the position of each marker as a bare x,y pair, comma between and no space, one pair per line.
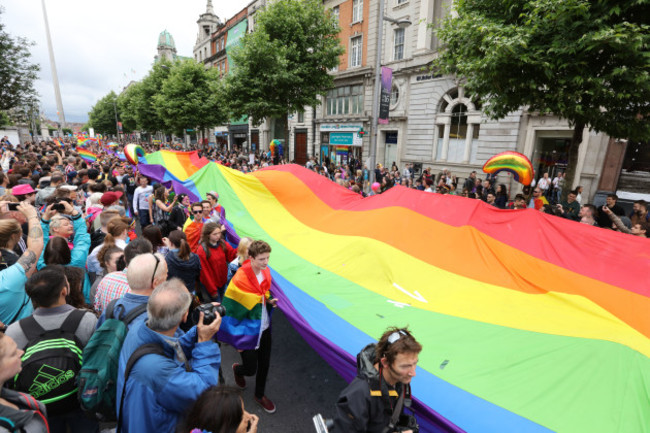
398,48
345,100
401,2
355,51
357,11
394,96
336,14
459,145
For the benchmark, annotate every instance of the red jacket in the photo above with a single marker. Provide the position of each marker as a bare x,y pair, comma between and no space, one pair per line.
214,269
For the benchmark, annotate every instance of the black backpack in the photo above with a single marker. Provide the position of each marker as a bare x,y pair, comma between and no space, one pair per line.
51,363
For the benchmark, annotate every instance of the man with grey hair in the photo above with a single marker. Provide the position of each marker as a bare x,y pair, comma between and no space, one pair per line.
160,388
144,273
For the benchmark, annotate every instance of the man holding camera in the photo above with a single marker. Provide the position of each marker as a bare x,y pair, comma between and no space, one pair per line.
161,386
374,401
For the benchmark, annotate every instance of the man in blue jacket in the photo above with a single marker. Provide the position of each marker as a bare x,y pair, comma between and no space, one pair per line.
159,388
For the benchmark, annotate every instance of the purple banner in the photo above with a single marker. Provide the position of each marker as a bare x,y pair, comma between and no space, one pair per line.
384,101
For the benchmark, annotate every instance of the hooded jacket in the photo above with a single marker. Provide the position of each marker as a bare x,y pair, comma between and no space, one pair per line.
357,411
187,270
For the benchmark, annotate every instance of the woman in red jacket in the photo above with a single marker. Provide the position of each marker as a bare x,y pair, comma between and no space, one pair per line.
215,254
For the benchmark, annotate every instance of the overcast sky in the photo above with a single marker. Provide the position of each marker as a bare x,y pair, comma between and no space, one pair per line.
100,46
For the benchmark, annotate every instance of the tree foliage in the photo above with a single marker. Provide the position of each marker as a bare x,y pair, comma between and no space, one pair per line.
127,104
281,66
17,74
585,61
102,116
189,98
146,115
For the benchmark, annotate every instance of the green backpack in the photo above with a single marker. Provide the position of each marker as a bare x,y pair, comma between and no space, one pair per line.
97,380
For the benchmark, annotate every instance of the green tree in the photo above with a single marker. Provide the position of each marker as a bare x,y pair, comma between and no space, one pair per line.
144,107
127,107
102,115
190,98
585,61
281,67
17,74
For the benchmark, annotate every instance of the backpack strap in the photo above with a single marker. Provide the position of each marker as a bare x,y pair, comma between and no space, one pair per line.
31,328
71,323
110,307
134,313
141,351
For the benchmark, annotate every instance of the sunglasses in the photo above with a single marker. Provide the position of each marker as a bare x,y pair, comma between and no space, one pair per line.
197,211
155,269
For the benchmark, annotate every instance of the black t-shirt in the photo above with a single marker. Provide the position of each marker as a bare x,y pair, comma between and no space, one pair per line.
129,184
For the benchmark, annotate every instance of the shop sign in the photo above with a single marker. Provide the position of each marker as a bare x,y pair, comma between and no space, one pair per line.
345,127
344,138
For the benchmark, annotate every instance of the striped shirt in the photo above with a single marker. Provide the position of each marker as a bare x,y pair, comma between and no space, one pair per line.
112,286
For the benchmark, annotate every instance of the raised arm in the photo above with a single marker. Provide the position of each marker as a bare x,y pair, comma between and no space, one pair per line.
34,239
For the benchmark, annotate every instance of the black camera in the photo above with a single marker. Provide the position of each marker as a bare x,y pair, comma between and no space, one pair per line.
208,311
58,205
407,422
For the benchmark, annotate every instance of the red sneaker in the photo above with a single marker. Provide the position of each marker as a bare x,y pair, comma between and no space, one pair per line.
239,380
266,404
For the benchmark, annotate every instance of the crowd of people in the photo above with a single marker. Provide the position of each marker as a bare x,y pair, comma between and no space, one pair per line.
85,245
88,244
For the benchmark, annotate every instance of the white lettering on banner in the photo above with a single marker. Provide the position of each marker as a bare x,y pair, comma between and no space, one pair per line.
398,304
415,295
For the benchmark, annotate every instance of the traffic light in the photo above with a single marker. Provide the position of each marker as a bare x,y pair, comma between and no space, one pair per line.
361,133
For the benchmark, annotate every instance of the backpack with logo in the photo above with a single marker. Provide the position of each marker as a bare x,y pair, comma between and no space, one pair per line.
98,376
51,363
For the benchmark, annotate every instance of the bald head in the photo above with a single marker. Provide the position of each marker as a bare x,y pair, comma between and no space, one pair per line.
141,270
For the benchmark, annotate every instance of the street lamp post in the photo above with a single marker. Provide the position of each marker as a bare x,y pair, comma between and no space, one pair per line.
117,124
375,96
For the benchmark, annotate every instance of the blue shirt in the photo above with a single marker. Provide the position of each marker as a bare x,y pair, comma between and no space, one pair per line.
14,302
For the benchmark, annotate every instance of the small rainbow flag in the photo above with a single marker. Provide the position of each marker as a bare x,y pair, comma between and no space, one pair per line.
58,142
87,155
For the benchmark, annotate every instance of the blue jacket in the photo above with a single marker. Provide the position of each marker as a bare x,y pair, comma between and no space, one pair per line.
129,301
79,253
159,390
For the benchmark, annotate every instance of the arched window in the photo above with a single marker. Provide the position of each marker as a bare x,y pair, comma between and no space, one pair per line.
394,96
457,124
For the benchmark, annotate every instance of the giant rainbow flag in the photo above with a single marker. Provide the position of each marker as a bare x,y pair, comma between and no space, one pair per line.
530,323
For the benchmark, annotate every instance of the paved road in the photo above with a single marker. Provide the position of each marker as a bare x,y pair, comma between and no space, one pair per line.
300,383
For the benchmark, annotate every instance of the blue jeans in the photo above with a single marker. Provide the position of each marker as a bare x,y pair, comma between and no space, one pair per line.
143,214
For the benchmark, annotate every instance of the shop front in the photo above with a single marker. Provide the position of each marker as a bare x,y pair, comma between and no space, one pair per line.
340,143
238,137
221,137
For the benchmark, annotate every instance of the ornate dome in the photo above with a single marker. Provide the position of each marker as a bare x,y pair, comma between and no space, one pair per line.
166,40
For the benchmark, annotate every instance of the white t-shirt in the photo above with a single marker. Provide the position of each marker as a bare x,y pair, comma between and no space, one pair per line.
265,314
